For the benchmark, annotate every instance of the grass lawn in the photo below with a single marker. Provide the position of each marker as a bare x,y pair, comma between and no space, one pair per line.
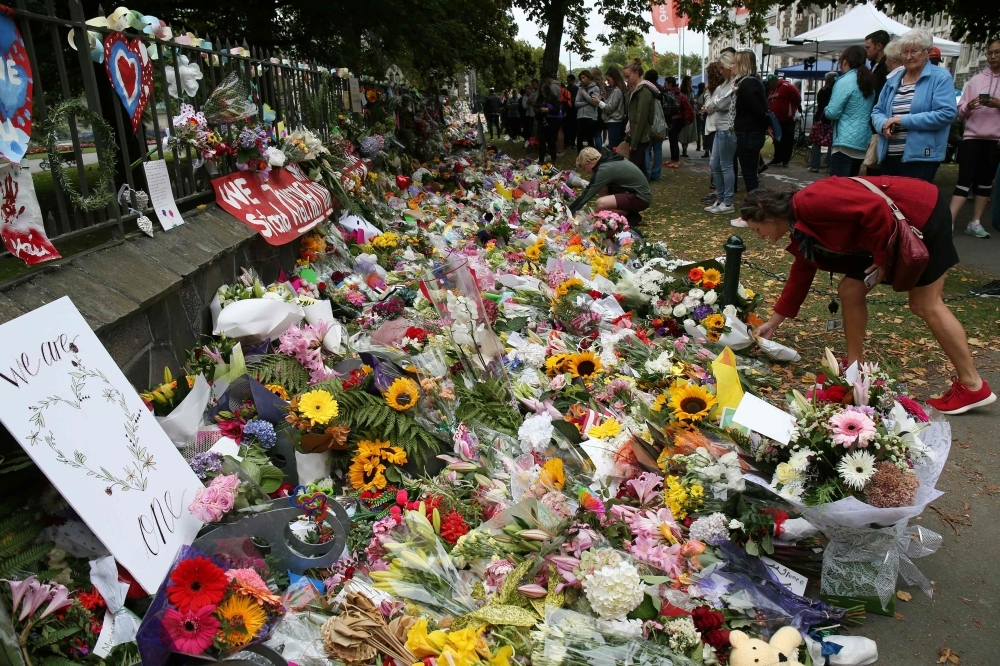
895,336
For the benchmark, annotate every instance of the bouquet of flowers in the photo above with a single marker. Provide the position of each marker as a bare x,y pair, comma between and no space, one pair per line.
230,101
249,310
208,608
191,130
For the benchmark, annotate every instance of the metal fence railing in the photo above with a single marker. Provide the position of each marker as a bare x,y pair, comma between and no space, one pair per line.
301,94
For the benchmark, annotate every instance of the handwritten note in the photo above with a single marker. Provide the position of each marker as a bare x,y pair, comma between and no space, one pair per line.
68,404
160,194
793,580
357,104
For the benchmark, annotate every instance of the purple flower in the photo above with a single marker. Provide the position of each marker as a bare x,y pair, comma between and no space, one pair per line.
702,311
209,461
262,430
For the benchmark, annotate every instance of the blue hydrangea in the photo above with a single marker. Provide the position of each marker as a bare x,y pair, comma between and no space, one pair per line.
206,462
262,431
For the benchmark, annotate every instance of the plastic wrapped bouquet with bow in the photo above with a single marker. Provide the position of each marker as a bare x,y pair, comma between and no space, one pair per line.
860,461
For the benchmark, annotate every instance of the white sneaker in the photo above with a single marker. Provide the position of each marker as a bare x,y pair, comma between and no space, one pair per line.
723,208
713,208
739,223
975,228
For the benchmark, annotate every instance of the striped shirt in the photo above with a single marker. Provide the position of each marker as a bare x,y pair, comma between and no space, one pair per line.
901,107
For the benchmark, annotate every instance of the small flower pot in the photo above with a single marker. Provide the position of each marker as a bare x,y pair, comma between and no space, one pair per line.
307,549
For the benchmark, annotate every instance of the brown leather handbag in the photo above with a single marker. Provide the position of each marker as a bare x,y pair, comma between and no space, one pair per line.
906,256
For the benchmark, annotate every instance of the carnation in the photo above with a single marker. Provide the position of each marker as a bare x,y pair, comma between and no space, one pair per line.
891,487
535,432
614,591
713,529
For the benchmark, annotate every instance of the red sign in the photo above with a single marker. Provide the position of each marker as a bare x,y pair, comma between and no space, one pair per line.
280,209
665,18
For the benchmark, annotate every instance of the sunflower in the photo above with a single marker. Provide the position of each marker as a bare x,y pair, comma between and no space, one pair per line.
556,364
714,321
278,390
659,402
711,278
564,288
691,402
319,407
241,619
402,394
367,470
553,476
584,365
533,253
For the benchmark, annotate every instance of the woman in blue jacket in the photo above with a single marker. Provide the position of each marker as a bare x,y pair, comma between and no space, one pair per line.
851,107
914,112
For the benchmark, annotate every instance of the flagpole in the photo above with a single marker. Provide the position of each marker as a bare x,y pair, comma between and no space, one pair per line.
680,54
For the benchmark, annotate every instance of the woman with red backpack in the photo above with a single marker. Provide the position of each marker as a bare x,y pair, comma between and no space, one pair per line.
677,110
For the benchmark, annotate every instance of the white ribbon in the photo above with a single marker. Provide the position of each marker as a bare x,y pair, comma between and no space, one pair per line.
104,576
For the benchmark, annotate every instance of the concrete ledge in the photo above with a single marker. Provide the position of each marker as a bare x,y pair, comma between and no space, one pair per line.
147,298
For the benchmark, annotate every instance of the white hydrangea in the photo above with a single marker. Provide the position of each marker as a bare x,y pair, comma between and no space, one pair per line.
712,529
614,591
530,353
535,432
682,636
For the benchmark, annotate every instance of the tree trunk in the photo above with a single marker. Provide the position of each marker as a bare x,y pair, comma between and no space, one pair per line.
553,39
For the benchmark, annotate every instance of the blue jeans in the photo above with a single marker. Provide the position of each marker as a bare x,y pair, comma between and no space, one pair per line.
893,165
616,133
654,159
842,164
723,149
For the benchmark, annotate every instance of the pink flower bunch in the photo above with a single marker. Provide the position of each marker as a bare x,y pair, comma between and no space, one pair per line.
212,503
609,222
305,343
34,595
496,573
654,552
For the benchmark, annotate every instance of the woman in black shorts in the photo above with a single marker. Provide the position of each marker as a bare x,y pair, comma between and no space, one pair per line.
841,226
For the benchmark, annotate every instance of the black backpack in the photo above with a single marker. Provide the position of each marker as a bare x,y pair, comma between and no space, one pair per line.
671,105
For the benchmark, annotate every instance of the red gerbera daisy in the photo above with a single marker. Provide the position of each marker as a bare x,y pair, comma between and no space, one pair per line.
191,632
195,583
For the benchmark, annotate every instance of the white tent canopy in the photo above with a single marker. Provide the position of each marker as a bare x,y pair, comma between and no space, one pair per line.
850,30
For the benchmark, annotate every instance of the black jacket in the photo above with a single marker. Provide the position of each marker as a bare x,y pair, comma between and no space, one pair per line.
492,104
879,73
751,106
822,99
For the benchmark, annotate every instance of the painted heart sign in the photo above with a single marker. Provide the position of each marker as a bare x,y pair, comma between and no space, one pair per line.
15,90
131,73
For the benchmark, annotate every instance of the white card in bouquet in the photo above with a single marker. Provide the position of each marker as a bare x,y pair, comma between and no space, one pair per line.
764,418
68,404
793,580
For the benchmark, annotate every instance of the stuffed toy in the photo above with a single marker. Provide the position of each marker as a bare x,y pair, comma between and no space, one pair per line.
783,649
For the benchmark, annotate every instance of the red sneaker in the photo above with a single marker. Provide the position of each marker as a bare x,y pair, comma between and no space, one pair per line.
959,399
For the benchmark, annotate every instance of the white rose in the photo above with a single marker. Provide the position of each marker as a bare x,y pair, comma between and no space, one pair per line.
735,525
696,293
741,292
680,310
729,311
710,297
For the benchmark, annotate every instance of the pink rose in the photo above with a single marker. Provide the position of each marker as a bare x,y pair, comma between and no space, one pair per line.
204,508
227,482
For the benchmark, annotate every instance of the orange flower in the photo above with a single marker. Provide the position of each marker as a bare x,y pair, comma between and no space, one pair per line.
696,274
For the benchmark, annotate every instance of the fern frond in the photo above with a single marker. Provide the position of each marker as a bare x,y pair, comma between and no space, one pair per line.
13,523
24,559
54,637
11,544
280,369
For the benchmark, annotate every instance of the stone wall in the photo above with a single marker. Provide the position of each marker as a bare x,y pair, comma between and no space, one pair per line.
148,298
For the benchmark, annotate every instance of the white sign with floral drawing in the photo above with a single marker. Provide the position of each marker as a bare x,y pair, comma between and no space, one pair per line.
68,404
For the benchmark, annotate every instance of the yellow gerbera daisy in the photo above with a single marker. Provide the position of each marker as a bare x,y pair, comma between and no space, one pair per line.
319,407
585,365
244,618
606,430
659,402
564,288
533,252
402,394
691,402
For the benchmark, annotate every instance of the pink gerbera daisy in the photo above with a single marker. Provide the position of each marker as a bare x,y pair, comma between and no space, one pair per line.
191,632
852,428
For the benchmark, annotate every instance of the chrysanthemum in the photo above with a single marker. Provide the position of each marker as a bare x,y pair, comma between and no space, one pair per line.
584,365
402,394
691,402
243,619
849,428
318,406
606,430
856,468
250,584
552,475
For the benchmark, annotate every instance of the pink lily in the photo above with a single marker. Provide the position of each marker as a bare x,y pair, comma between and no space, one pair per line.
645,486
60,599
541,407
17,590
532,591
36,596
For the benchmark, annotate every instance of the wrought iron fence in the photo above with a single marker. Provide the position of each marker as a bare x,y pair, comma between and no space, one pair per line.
301,94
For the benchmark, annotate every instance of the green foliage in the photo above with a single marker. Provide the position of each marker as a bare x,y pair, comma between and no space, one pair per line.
15,463
368,416
488,403
280,369
17,535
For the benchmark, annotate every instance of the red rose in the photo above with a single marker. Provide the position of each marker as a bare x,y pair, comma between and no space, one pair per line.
835,393
706,620
719,639
821,379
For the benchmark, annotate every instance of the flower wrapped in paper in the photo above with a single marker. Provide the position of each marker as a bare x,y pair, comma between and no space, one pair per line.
249,311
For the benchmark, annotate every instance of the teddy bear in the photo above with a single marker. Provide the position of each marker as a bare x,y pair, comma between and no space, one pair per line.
783,649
